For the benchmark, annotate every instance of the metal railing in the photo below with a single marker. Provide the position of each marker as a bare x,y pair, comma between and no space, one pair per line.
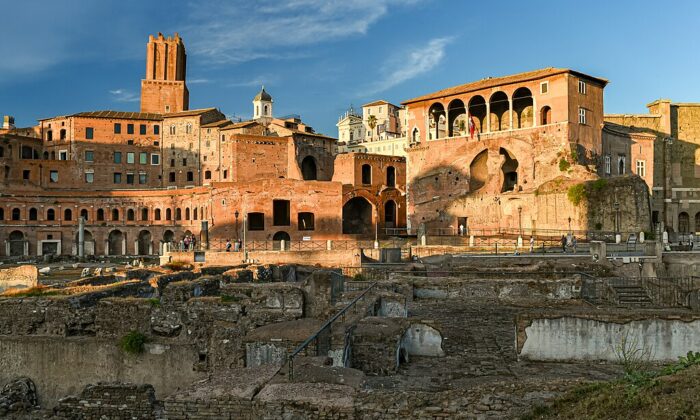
665,292
325,329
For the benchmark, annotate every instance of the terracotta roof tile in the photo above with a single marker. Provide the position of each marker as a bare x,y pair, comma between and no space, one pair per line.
499,81
119,115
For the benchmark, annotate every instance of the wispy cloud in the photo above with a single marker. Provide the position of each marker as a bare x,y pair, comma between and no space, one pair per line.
198,81
269,28
123,95
408,65
254,82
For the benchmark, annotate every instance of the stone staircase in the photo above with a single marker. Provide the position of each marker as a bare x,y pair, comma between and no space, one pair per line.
631,294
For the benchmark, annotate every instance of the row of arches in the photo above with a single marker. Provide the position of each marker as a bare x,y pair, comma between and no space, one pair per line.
144,214
684,222
499,113
357,216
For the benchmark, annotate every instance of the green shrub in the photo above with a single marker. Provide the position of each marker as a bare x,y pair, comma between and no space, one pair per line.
599,184
576,194
359,277
133,342
229,298
155,302
574,156
564,165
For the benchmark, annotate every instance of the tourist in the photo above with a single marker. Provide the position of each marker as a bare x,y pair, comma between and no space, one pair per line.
532,244
563,243
186,242
461,230
228,245
193,242
574,242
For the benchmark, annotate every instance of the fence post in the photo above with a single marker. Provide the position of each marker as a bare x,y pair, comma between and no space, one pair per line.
496,247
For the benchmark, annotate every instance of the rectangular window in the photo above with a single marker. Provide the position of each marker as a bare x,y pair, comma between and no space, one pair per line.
53,176
171,177
130,129
117,157
117,128
89,177
142,129
582,87
25,174
130,178
607,165
155,159
641,168
172,129
305,221
89,133
256,221
172,163
582,115
544,87
225,173
143,158
184,162
89,156
63,155
143,178
130,157
280,212
117,177
156,129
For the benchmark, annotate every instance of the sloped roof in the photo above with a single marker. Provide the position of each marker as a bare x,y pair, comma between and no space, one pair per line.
499,81
190,112
120,115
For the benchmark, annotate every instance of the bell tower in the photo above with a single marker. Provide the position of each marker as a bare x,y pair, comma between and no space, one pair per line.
262,105
164,89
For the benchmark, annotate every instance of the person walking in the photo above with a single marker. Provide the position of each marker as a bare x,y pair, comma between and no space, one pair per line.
532,244
194,243
563,243
574,242
186,242
228,245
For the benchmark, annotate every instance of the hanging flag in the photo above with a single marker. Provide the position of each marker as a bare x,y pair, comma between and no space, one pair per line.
472,127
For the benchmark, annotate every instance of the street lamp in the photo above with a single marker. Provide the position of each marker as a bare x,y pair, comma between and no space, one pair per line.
616,206
569,224
520,220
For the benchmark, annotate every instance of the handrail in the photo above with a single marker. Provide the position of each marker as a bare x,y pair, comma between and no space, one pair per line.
327,324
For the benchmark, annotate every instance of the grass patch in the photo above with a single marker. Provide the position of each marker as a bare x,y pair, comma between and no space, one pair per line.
230,298
576,194
155,302
133,342
564,165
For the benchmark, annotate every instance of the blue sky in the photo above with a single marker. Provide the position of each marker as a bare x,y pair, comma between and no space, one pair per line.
316,57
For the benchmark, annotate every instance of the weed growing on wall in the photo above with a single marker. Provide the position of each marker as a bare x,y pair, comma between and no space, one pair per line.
133,342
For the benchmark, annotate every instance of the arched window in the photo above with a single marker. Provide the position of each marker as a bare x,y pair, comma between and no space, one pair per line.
415,135
207,174
130,215
366,174
157,215
15,214
178,214
683,223
33,214
498,111
545,115
308,169
115,215
62,134
67,214
144,214
50,214
84,214
391,176
100,215
187,213
522,108
194,216
168,214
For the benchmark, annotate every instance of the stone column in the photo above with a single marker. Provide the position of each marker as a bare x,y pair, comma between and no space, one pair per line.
81,237
535,114
26,248
150,248
510,112
204,235
329,245
106,251
124,246
488,117
136,247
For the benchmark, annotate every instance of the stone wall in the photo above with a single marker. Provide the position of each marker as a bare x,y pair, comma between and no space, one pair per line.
116,400
21,277
595,337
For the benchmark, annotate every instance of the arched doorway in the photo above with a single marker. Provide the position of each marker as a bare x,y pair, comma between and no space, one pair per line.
391,176
308,169
390,214
499,107
144,243
17,241
115,243
546,115
357,216
278,237
522,108
510,171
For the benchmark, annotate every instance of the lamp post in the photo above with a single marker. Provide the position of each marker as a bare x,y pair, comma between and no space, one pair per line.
616,206
520,220
569,224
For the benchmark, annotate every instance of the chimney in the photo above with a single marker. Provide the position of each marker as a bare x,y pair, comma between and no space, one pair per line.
8,122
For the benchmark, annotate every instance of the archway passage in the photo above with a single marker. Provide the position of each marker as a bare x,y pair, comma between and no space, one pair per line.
510,171
309,171
168,236
115,243
522,108
16,239
477,113
456,118
357,216
390,214
478,171
437,121
278,237
144,242
697,221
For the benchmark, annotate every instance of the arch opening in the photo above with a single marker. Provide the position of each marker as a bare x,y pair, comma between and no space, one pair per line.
309,171
478,171
522,108
357,216
457,118
144,243
509,170
437,121
498,111
390,214
115,243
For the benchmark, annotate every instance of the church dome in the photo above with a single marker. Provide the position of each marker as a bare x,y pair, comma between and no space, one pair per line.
262,95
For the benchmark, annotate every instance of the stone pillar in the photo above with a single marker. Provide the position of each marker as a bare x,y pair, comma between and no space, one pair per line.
136,247
471,240
39,248
535,114
618,238
282,245
204,235
106,251
488,116
520,241
641,237
26,248
150,248
510,111
7,248
664,235
81,237
124,246
329,245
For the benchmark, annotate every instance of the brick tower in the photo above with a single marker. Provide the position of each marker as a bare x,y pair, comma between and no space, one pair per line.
164,89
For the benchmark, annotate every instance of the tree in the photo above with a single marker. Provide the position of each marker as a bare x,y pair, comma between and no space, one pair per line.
372,122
